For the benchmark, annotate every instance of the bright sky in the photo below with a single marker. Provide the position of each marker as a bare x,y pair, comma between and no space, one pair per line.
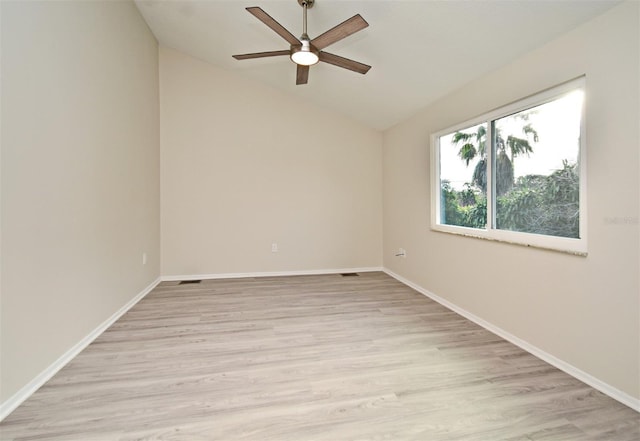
558,127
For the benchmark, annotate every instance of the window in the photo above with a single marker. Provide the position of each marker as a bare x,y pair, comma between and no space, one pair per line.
516,174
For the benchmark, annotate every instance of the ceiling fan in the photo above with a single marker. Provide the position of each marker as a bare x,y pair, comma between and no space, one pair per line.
305,52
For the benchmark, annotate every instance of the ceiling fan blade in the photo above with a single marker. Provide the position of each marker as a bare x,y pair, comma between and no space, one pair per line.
302,74
345,63
337,33
269,21
260,55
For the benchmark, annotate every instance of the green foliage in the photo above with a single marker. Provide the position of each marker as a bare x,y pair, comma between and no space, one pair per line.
536,204
467,196
519,210
530,131
467,152
563,186
451,214
474,144
464,208
479,178
533,204
504,173
535,182
562,195
475,216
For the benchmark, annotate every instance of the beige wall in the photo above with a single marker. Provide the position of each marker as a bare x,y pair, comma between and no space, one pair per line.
584,311
80,175
238,174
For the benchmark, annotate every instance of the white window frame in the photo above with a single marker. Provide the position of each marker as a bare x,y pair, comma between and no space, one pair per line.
576,246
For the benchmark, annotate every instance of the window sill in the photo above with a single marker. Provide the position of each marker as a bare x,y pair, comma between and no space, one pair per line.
485,235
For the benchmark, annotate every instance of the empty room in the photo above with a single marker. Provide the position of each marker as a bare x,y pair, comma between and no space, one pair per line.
320,220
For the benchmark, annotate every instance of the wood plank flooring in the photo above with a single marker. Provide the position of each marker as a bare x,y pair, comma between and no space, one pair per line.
309,358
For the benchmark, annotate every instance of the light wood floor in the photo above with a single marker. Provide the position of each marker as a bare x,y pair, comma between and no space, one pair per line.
309,358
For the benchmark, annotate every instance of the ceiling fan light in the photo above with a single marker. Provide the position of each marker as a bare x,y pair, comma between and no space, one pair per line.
304,55
304,58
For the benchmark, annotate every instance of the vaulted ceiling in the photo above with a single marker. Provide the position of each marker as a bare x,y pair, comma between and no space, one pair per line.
419,50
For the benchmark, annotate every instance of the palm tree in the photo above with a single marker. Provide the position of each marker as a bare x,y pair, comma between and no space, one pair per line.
474,144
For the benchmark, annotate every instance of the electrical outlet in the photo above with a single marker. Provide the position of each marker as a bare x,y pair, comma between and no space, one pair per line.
274,247
144,258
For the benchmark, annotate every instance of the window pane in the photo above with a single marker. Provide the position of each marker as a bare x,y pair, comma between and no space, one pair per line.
463,177
537,168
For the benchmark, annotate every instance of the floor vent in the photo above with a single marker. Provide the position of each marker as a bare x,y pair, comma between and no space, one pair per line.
349,274
189,282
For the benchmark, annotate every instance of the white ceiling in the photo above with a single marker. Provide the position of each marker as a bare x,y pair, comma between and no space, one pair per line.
419,50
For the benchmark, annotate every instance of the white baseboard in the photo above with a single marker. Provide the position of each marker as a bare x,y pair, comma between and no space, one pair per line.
19,397
176,278
592,381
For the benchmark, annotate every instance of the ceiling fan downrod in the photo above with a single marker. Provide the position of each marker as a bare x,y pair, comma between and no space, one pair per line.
306,4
